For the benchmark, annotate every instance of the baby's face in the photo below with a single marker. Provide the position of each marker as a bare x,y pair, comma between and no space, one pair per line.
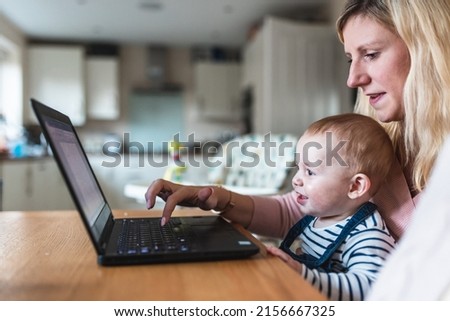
323,177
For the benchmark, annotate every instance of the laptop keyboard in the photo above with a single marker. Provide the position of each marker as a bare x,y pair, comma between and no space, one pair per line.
142,236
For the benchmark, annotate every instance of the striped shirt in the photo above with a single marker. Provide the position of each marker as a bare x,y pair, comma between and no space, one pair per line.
274,215
362,254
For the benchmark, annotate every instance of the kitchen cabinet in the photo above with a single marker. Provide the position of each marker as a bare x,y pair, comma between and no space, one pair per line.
57,78
34,184
102,88
289,69
218,90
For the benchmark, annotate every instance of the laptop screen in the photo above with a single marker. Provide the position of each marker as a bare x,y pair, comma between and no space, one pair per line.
77,172
77,169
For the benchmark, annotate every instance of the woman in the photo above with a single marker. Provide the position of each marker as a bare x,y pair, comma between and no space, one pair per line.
398,53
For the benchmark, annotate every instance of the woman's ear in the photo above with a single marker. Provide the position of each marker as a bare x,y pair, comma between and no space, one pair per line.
359,185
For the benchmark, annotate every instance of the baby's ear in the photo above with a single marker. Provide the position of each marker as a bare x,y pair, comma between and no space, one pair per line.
359,186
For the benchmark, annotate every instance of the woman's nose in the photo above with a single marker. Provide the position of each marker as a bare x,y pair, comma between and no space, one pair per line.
357,76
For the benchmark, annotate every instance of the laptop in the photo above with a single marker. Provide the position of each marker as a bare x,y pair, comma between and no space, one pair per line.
134,240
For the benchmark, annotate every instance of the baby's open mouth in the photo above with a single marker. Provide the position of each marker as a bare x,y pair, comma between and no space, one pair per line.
301,198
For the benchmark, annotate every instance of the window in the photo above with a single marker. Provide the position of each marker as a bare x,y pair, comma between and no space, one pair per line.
11,92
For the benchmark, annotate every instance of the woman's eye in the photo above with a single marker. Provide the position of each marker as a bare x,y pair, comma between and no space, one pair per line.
371,56
309,172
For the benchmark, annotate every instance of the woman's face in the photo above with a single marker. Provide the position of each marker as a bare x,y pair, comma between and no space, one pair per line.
379,65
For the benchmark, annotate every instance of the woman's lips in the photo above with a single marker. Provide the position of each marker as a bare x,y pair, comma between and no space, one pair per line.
373,99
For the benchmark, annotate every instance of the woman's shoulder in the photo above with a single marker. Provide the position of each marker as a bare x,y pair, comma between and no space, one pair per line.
395,202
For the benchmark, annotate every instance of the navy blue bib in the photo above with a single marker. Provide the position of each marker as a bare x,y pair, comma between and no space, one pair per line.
324,262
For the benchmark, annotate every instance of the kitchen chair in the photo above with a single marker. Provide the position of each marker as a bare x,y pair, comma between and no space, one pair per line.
254,164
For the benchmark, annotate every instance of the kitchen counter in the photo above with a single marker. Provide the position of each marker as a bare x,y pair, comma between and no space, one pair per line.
33,183
8,158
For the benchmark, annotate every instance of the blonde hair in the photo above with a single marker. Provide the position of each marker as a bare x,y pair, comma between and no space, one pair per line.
367,149
424,26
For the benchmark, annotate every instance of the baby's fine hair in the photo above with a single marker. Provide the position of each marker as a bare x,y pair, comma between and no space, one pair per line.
367,148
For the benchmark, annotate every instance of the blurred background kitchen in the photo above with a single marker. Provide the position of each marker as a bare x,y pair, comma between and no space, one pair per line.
208,69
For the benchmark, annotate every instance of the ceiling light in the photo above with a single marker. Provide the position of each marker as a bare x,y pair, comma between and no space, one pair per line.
151,5
228,9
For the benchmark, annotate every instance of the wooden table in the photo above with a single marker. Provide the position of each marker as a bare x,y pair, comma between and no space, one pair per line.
48,256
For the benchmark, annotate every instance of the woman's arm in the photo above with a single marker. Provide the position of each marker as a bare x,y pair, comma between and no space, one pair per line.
264,215
235,207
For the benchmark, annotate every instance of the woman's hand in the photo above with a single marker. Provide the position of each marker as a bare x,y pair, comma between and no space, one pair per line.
297,266
173,194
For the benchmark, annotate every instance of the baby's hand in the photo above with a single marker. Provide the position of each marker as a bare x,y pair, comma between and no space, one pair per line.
297,266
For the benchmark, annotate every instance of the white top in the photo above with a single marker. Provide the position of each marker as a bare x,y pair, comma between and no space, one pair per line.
419,269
